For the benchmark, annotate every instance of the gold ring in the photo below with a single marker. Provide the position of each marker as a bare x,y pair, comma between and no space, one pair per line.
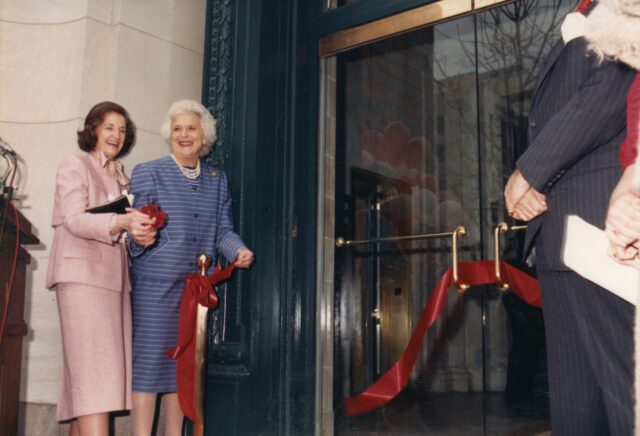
510,213
134,233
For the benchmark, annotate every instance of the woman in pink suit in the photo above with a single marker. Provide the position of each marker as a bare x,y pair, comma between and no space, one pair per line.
88,269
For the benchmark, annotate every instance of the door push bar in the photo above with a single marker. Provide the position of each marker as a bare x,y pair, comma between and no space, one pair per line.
501,227
459,231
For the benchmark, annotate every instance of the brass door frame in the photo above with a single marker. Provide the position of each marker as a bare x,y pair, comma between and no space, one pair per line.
403,22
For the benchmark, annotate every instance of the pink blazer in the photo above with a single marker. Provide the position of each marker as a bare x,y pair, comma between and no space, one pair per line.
83,250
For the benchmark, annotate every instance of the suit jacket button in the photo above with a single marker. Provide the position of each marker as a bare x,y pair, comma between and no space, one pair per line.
532,124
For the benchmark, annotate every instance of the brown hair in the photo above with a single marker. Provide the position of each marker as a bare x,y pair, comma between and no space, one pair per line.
87,139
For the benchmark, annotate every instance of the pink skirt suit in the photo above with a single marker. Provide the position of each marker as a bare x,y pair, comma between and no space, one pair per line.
88,269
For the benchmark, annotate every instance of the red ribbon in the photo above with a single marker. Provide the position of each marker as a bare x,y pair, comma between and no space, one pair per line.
198,289
154,211
470,273
582,7
629,148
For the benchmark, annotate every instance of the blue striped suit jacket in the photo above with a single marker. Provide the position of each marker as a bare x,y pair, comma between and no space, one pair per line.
576,125
197,221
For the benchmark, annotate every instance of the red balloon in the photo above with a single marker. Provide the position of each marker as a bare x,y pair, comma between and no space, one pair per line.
396,136
416,152
428,181
444,196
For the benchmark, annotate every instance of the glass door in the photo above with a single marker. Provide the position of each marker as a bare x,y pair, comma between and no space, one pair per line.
421,131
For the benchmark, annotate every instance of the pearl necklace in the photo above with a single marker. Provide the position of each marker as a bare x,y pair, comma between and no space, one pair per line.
189,173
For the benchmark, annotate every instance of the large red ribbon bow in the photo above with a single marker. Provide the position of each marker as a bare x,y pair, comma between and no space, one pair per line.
472,273
198,289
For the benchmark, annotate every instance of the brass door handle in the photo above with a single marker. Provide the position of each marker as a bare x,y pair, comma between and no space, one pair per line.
459,231
376,316
501,227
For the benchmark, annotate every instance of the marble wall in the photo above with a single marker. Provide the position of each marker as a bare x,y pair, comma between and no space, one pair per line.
57,59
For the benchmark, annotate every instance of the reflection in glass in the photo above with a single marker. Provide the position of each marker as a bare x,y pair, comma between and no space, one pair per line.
333,4
426,128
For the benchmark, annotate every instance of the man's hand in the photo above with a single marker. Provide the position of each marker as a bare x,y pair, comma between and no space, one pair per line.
532,204
516,187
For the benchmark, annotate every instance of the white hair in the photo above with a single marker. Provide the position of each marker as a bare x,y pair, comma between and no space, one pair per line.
207,122
613,31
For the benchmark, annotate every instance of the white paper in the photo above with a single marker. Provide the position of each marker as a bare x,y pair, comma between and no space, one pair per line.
585,252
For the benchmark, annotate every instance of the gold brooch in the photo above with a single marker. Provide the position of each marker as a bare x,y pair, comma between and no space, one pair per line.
213,173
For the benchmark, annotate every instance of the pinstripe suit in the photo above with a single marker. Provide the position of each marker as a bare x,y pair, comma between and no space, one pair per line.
198,221
577,123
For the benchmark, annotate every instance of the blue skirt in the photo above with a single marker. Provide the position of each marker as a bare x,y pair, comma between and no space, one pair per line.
156,315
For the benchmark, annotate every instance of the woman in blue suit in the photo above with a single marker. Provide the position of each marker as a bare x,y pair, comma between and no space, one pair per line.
197,202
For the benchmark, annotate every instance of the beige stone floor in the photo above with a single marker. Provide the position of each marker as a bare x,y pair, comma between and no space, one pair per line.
40,420
407,415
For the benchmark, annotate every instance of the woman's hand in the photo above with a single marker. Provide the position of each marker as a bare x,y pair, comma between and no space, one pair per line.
245,258
144,239
139,226
622,227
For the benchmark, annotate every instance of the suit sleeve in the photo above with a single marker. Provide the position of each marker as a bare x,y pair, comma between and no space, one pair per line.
577,128
228,242
72,192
